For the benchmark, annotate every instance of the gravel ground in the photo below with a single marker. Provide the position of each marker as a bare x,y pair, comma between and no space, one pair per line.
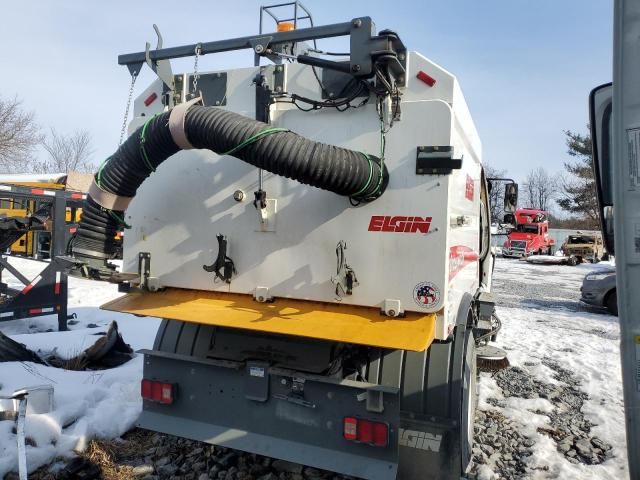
498,443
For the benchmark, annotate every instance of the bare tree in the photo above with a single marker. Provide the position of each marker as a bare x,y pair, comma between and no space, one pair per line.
66,153
19,135
496,195
540,189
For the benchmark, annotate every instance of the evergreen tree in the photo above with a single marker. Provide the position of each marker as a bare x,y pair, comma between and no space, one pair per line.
578,185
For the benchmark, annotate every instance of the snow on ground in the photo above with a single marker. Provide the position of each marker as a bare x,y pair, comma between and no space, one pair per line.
87,404
545,324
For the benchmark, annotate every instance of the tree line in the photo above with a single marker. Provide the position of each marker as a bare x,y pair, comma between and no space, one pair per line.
20,137
572,192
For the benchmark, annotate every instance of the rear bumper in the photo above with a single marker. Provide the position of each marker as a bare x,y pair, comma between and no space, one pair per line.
302,318
513,253
270,446
253,408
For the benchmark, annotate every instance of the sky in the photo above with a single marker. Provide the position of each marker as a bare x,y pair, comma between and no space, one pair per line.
526,67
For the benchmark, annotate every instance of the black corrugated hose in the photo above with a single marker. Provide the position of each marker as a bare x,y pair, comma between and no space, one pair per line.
359,176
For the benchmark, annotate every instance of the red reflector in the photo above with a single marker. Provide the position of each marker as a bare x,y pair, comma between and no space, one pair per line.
145,389
56,289
150,99
73,229
37,191
365,431
76,195
35,311
350,428
426,78
157,391
380,434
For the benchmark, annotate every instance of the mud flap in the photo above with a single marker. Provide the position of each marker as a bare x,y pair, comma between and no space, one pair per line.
439,446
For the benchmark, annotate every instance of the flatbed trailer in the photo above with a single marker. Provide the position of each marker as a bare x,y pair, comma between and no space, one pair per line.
47,292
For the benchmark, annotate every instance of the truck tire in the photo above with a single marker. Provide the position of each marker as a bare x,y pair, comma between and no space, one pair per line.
573,261
612,302
183,338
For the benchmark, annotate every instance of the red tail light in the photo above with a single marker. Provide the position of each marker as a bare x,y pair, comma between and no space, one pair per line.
365,431
157,391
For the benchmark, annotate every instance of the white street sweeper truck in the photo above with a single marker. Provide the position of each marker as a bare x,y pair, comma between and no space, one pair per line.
315,232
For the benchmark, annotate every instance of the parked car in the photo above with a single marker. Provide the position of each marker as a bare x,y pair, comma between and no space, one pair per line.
599,288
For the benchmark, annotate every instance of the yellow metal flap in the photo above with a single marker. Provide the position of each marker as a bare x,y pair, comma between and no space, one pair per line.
341,323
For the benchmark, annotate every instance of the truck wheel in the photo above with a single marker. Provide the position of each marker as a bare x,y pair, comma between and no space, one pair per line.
573,261
612,302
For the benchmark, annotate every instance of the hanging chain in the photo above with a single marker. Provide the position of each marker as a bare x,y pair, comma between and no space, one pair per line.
126,111
195,71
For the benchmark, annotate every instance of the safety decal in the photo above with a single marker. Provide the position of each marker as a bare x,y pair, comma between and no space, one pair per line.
468,192
459,257
426,295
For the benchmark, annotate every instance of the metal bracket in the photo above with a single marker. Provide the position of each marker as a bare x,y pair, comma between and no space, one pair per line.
297,394
144,268
436,160
162,68
375,401
345,278
260,44
261,295
392,308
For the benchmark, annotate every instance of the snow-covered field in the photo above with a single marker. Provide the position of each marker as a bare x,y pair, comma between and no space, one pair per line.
545,330
87,404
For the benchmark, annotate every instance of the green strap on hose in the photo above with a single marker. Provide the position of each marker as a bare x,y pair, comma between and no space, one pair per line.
119,219
145,158
254,138
99,174
366,185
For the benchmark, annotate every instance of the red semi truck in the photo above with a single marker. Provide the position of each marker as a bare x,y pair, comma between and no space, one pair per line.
530,235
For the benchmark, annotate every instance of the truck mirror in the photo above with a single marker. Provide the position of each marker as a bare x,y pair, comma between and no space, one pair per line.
510,197
509,222
600,120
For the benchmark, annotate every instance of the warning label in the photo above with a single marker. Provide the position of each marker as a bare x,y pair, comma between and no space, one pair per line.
633,139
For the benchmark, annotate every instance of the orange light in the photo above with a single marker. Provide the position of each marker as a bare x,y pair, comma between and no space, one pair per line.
286,27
